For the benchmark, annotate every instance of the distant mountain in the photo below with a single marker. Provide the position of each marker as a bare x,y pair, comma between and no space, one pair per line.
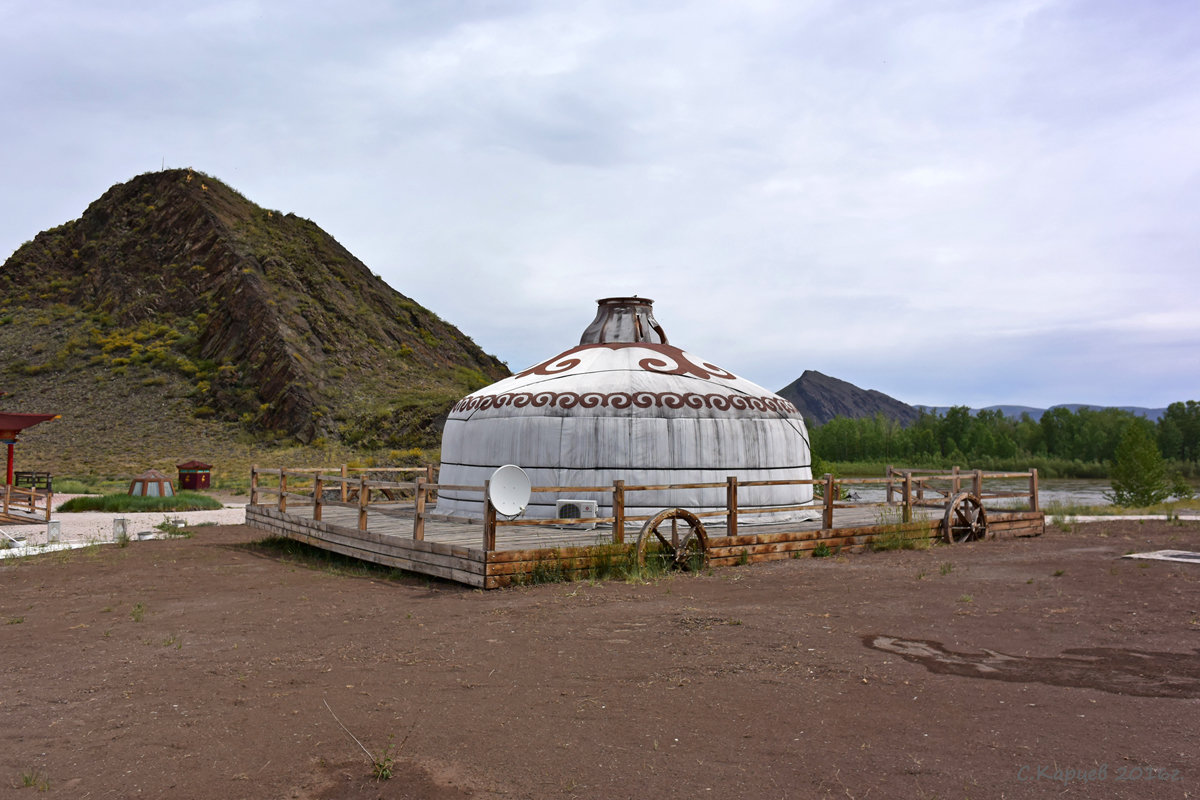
1015,412
820,398
175,313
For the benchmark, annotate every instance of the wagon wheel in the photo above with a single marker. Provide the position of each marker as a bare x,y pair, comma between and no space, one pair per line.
966,519
685,549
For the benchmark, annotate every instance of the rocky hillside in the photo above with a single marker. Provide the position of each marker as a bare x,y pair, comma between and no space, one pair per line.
820,398
174,304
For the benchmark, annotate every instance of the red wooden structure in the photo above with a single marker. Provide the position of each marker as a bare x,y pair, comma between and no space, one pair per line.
194,475
10,426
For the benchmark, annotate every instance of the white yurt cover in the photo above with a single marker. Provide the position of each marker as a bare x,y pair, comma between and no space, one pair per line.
627,405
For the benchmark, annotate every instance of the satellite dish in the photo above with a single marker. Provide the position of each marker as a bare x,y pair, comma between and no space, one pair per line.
508,490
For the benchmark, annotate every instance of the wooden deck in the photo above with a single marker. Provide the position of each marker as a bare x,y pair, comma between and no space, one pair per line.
21,505
456,550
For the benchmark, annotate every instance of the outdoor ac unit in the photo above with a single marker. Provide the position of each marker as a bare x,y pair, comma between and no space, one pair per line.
577,509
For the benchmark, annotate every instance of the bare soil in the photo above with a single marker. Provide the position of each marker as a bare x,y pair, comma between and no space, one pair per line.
207,667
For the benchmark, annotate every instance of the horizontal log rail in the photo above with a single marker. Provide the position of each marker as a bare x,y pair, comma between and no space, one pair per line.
905,489
28,499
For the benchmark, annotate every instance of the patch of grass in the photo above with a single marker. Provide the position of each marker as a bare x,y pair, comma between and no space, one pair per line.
966,598
15,620
743,558
899,540
383,764
138,612
1058,573
176,528
545,570
822,550
658,563
34,779
945,568
87,485
608,562
123,503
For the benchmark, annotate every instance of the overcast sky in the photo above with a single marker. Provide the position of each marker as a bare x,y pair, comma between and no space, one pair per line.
950,202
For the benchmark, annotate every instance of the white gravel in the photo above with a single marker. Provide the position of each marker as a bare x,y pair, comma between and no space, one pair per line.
96,527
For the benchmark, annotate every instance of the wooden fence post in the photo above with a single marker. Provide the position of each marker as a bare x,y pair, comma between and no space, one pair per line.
955,482
364,497
282,490
907,515
891,495
345,474
253,487
489,520
618,512
7,496
977,484
731,506
827,515
1033,490
429,478
49,504
419,511
318,496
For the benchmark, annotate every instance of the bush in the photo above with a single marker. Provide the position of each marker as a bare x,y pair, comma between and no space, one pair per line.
184,501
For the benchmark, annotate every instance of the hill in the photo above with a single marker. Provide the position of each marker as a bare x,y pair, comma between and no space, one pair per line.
175,318
1015,412
820,398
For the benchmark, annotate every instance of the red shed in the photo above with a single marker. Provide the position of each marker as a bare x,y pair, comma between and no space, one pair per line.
194,475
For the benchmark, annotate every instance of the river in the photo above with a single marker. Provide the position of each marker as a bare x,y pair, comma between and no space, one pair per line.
1064,491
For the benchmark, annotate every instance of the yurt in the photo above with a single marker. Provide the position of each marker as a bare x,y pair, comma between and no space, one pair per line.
627,405
151,483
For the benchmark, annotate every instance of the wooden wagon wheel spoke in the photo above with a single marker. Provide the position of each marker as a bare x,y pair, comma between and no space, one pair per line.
666,543
965,520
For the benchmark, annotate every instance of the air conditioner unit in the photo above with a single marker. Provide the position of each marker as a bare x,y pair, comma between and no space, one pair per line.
577,509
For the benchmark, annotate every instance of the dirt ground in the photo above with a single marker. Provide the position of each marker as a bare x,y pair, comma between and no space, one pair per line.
204,668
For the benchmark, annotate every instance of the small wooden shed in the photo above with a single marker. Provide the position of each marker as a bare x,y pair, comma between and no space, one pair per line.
151,483
194,475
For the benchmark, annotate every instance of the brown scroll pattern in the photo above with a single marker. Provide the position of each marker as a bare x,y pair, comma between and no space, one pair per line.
623,400
668,361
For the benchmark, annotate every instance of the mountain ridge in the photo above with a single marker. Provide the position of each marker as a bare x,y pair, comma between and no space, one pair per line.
821,398
185,296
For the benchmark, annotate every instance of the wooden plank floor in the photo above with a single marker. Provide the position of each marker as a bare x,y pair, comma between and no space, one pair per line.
15,517
398,521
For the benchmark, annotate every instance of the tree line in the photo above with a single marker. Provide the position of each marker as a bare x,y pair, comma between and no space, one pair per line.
1063,443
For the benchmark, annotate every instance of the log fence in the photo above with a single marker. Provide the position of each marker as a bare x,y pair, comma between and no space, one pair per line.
395,522
27,500
906,490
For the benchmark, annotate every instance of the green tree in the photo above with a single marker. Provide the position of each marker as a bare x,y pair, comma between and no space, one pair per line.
1180,431
1139,474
